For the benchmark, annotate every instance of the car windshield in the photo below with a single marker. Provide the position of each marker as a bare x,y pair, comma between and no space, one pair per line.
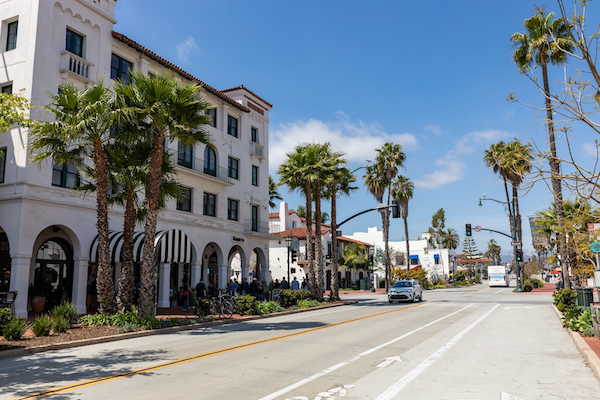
403,284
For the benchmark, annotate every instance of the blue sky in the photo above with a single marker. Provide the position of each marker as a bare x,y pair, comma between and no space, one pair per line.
432,76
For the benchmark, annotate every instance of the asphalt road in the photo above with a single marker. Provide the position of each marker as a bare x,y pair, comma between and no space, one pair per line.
472,343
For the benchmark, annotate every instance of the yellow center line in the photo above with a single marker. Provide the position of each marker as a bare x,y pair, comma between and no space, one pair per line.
95,381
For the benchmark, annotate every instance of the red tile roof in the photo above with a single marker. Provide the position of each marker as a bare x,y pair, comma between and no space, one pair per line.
249,91
296,232
178,70
346,239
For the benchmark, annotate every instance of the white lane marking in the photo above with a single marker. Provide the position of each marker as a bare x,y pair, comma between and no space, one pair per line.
501,290
348,361
506,396
419,369
388,361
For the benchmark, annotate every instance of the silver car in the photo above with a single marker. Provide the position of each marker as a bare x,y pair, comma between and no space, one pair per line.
405,290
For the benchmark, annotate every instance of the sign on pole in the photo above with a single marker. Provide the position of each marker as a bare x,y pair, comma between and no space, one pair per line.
477,229
518,244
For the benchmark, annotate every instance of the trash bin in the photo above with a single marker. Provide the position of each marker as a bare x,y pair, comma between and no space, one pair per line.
585,296
535,284
362,284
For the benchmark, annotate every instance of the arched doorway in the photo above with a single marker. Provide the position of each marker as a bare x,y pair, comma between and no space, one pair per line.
54,264
5,263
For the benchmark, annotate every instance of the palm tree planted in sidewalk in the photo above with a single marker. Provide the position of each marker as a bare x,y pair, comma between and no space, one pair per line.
83,120
166,109
402,190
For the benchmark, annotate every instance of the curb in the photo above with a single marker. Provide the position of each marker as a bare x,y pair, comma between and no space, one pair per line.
588,354
131,335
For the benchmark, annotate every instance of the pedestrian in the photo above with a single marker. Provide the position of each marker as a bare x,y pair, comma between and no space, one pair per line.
284,283
260,291
200,289
304,286
254,288
295,284
212,289
185,295
232,288
245,286
276,284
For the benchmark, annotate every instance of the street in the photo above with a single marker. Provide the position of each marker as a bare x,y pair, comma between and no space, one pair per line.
468,343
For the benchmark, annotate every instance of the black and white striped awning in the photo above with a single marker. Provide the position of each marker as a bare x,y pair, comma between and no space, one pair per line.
170,246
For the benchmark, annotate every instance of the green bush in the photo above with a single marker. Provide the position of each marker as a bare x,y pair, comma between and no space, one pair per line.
527,287
564,299
245,305
477,278
460,276
148,323
128,328
540,282
5,317
66,310
440,286
15,329
268,307
42,326
291,297
309,303
60,325
203,307
579,319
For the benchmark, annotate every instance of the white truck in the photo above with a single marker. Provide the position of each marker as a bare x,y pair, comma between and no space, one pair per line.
498,275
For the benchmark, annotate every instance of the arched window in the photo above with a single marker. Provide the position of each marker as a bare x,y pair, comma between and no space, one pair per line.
5,263
210,161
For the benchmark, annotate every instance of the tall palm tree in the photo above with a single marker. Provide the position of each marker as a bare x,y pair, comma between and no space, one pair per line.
546,41
167,110
495,157
450,239
273,193
83,119
402,190
337,183
493,251
354,257
378,180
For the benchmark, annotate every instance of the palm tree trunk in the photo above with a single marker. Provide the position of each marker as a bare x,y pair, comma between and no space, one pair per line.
318,246
386,237
105,284
310,255
334,293
148,278
518,228
554,169
407,245
126,284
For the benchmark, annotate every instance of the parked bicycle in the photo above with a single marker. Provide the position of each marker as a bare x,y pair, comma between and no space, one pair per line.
221,306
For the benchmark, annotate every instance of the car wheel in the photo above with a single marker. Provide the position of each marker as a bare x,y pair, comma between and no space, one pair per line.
390,301
421,297
414,298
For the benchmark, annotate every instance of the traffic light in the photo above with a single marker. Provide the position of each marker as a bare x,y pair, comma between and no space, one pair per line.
370,260
519,255
468,229
294,256
395,208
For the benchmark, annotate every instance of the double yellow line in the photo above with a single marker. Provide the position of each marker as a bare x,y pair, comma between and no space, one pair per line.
91,382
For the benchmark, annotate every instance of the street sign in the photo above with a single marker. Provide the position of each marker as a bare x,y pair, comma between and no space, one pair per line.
477,229
593,227
516,244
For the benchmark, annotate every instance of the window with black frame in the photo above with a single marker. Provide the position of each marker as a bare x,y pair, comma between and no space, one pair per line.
120,68
234,168
254,175
2,164
210,161
232,209
11,38
185,203
210,205
255,218
7,89
212,114
254,134
232,126
74,43
65,175
185,155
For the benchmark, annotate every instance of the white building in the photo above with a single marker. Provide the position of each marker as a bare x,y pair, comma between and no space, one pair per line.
288,224
48,231
438,262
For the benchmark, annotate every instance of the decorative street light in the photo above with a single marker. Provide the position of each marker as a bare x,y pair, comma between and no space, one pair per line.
288,243
507,206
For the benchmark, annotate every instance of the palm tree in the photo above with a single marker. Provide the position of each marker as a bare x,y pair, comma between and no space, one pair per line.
354,257
450,239
273,193
337,183
495,157
378,179
493,251
83,119
546,41
402,190
167,110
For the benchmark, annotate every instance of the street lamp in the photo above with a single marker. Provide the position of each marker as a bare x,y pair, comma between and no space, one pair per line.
364,166
507,209
288,243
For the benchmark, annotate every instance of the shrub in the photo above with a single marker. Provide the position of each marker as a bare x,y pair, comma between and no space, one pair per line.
5,317
42,326
66,310
128,328
268,307
440,286
203,307
245,305
540,283
564,299
148,323
291,297
15,329
460,275
527,287
584,323
309,303
60,325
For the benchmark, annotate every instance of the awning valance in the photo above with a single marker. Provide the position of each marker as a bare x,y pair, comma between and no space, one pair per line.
412,257
435,256
170,246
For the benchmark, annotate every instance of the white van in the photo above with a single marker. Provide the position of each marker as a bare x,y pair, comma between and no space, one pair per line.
498,275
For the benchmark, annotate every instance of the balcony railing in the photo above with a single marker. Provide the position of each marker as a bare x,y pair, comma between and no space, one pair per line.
257,226
198,165
76,65
256,150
